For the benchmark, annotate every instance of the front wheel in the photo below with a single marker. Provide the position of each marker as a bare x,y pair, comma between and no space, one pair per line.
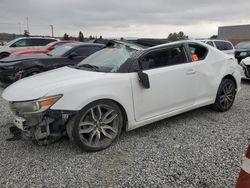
225,96
97,126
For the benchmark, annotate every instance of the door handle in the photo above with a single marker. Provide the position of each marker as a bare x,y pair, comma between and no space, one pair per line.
190,72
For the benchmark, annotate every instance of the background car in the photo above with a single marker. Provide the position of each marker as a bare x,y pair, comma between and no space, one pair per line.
45,50
245,63
18,67
222,45
242,50
122,87
24,43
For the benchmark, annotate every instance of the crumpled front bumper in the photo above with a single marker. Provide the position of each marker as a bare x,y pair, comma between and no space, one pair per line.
45,127
246,70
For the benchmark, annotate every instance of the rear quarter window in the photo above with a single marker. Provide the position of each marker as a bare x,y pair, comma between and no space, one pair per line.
198,52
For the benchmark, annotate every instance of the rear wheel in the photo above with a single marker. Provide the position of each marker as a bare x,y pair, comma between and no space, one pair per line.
97,126
225,96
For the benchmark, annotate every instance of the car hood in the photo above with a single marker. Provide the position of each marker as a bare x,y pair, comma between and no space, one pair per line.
12,59
44,84
242,50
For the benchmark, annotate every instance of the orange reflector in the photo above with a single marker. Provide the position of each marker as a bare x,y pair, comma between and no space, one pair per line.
195,57
48,102
113,49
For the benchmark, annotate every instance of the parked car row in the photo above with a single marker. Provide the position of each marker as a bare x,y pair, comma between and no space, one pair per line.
120,87
24,43
13,68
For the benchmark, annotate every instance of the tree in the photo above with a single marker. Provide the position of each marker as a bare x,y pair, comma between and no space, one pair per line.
214,37
26,33
80,37
65,36
177,36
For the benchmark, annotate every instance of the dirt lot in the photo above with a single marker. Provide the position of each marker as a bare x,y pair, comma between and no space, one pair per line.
201,148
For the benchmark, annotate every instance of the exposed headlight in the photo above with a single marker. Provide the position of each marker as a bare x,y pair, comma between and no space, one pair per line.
36,106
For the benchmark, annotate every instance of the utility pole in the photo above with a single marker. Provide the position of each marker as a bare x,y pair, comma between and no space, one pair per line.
20,30
52,30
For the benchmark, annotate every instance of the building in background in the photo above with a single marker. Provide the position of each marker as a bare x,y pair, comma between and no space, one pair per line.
235,34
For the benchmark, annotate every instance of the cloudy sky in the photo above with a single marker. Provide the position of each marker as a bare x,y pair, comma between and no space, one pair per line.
117,18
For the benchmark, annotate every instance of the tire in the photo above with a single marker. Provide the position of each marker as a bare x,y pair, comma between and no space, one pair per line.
31,72
4,54
96,126
225,96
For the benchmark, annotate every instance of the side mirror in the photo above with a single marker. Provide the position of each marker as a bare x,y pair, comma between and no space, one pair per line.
72,55
144,80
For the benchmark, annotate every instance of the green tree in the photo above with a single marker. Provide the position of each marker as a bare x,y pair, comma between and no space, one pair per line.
80,37
177,36
65,36
26,33
214,37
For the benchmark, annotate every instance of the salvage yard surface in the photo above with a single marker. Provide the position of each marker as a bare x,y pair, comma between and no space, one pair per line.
201,148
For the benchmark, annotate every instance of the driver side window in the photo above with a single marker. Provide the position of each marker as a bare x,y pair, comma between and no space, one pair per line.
163,58
21,43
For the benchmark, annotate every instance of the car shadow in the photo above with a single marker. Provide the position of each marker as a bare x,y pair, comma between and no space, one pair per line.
245,82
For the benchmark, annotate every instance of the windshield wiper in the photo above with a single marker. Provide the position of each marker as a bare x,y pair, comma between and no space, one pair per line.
92,67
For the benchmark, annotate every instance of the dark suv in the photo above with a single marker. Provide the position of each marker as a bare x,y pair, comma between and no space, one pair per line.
242,50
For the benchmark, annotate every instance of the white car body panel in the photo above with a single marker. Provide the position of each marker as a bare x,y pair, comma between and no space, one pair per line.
173,89
245,62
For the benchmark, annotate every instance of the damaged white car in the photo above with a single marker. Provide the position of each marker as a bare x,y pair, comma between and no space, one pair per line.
245,63
120,88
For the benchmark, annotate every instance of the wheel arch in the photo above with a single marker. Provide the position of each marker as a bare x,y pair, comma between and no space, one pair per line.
231,77
122,108
4,52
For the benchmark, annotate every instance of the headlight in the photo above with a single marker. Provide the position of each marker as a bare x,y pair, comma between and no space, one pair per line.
37,106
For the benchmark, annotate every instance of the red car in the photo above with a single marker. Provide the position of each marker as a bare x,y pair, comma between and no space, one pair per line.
45,50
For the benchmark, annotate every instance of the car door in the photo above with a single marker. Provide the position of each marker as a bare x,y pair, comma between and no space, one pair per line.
172,83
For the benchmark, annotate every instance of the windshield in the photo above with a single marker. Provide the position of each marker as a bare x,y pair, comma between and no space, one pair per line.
11,42
243,45
109,59
60,51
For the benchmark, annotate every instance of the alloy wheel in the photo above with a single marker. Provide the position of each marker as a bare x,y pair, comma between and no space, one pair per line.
99,126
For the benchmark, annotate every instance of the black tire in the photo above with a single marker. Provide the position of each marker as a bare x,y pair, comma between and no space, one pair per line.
31,72
96,126
4,54
225,96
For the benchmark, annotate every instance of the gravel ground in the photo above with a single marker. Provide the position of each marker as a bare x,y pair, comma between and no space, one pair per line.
201,148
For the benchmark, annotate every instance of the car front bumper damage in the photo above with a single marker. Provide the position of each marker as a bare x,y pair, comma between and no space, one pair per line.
44,128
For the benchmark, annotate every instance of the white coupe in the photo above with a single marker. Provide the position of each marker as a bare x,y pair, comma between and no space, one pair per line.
120,88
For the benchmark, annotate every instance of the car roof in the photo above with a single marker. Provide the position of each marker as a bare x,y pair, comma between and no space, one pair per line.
76,44
176,43
37,38
221,40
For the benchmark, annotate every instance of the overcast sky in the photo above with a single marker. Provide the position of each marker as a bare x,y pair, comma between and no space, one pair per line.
123,18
